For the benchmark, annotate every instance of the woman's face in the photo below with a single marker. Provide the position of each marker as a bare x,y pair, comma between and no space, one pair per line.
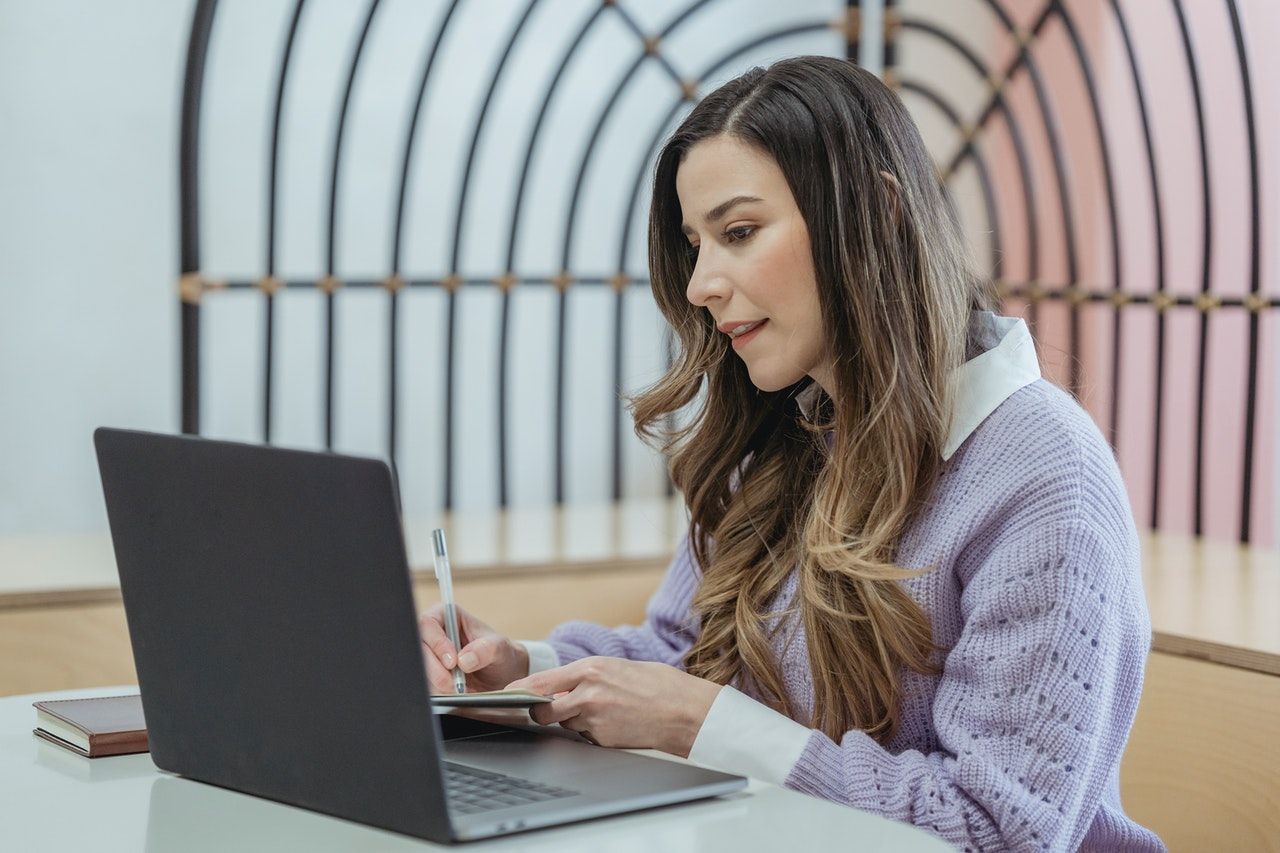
753,261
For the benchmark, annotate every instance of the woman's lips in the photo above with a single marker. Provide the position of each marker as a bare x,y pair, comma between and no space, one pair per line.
743,339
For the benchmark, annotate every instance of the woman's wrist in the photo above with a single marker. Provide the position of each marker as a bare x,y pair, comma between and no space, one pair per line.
701,698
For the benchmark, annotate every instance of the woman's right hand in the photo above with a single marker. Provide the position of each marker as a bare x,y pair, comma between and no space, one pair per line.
489,660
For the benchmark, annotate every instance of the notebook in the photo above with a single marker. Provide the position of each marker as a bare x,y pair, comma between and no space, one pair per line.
94,728
491,699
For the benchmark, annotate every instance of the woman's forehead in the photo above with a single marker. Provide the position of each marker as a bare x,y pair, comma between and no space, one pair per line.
722,167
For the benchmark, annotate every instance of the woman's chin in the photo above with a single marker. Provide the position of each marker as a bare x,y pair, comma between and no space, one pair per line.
772,380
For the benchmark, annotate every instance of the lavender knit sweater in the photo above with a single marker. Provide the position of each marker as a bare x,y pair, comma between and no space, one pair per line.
1037,599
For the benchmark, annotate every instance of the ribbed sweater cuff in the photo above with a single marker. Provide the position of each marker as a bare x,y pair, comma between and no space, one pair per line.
821,772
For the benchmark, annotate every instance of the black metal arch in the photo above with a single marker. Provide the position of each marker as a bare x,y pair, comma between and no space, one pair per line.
193,283
1157,208
331,281
451,304
979,162
270,283
1030,217
1206,258
1206,300
397,245
1062,183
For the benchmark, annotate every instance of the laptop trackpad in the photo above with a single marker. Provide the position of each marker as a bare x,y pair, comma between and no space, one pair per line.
535,756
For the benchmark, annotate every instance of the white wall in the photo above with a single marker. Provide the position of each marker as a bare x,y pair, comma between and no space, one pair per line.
89,104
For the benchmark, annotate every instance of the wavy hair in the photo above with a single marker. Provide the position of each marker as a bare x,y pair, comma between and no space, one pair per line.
767,493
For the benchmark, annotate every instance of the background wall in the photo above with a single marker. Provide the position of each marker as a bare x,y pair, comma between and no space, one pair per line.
89,98
89,104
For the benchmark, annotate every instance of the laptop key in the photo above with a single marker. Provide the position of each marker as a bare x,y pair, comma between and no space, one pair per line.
471,790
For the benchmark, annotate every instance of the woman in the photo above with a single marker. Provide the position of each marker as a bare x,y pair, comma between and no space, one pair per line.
911,581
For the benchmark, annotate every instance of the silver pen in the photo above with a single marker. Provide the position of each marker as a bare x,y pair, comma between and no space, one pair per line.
444,577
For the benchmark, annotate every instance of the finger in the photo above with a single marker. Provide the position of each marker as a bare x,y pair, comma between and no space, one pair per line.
437,674
555,711
575,724
479,653
434,637
560,679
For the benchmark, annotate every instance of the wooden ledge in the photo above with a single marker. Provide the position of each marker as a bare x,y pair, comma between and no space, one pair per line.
65,570
1211,601
1214,601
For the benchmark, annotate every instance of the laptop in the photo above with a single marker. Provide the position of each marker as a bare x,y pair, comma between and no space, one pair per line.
268,598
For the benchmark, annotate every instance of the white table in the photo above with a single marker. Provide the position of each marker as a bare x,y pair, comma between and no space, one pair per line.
51,799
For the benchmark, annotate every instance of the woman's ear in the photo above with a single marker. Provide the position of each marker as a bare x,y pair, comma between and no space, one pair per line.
894,191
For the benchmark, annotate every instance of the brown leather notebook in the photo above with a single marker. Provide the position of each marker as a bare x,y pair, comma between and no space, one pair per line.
107,725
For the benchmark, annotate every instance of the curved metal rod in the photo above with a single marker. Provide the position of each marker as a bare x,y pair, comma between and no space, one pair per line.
189,206
889,50
639,33
1255,271
1158,212
397,240
1206,259
1015,134
562,301
460,207
979,162
452,297
853,46
330,249
504,309
272,188
537,127
1052,133
1113,219
410,138
620,297
623,243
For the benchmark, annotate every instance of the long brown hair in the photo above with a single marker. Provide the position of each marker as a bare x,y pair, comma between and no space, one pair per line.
765,492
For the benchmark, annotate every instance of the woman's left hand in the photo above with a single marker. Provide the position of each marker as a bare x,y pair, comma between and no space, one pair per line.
624,703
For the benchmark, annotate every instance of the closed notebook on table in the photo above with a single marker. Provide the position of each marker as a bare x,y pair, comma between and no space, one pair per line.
105,725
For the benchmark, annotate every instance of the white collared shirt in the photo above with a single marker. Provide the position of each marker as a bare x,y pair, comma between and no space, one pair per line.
741,735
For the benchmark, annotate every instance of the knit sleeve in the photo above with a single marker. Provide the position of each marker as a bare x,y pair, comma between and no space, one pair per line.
668,632
1033,707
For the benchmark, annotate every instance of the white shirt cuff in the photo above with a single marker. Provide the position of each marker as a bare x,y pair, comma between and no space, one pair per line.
743,736
541,655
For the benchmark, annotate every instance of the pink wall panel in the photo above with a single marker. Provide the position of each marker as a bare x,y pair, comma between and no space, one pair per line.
1171,104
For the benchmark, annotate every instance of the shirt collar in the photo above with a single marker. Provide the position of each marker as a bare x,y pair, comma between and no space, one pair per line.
1005,362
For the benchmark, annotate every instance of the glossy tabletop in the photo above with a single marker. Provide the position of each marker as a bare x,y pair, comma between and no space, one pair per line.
52,799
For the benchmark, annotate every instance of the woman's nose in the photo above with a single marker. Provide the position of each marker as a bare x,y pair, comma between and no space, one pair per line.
706,284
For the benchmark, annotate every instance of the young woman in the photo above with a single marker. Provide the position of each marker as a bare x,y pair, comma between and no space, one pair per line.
911,580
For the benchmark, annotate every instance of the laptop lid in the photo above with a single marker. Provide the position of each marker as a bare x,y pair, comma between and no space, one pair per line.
267,595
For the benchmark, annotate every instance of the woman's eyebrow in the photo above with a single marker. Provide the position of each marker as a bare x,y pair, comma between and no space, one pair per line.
720,210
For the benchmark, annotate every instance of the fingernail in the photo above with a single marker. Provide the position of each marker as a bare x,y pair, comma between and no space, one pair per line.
447,660
467,661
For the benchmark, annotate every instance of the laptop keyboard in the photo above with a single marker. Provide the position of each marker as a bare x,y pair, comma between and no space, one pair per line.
470,790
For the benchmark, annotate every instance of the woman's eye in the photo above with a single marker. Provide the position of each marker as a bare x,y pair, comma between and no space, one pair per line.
692,252
742,232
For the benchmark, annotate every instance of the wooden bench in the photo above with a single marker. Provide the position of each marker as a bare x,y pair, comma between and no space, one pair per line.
1202,767
1203,763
